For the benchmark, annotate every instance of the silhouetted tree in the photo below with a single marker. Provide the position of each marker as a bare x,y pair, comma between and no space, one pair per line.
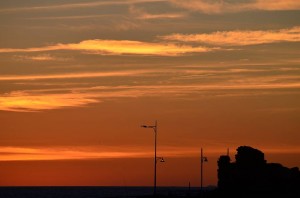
224,172
251,173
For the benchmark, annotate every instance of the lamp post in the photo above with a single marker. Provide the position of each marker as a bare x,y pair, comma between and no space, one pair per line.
203,159
154,127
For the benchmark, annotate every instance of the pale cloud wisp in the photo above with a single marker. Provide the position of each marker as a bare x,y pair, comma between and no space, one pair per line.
226,6
239,37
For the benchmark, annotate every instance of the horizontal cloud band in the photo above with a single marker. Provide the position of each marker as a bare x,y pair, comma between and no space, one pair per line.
118,47
239,38
163,48
226,6
203,6
39,100
10,153
86,153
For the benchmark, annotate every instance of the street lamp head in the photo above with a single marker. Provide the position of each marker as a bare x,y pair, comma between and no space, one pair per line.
147,126
154,127
162,160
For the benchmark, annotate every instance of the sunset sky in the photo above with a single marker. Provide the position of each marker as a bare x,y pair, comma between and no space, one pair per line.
79,77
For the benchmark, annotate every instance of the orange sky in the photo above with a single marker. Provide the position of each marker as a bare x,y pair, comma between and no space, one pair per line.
78,78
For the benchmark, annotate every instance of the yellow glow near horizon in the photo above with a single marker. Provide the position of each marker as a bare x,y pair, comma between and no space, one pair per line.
87,153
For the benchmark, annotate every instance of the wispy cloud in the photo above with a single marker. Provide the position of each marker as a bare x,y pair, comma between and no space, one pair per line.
204,6
162,16
240,38
40,57
64,6
119,47
67,153
276,5
22,101
38,100
178,83
131,47
227,6
140,13
76,75
74,17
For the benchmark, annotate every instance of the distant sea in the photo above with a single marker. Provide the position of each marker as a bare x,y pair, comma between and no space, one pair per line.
94,192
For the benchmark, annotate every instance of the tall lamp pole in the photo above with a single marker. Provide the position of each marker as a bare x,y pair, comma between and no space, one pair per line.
203,159
154,127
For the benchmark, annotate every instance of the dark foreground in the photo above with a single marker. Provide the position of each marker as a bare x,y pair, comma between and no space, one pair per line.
132,192
95,192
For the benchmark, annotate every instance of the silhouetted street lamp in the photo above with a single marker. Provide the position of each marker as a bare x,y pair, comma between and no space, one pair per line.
203,159
161,159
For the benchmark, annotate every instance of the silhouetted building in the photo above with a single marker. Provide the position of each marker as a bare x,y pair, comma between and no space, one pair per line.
250,173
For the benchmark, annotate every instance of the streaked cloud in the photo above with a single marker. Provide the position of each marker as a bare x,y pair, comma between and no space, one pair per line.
10,153
39,100
162,16
86,153
64,6
240,38
276,5
204,6
118,47
37,154
73,17
76,75
140,13
22,101
227,6
40,57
